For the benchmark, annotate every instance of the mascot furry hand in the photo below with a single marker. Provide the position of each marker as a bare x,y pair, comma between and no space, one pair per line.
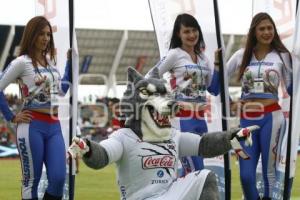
147,150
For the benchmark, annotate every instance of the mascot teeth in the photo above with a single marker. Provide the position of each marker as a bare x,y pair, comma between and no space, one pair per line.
161,120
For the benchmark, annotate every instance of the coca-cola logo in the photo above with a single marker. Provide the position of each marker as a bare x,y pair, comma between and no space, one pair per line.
158,161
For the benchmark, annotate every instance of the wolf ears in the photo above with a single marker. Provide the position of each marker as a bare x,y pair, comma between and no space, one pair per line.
133,75
154,73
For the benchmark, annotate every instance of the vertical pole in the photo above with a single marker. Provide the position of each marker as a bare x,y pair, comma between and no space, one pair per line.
71,27
225,116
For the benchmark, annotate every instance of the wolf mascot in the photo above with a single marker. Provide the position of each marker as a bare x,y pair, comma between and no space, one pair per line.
147,150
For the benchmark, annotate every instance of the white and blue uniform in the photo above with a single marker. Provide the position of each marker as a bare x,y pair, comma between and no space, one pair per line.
40,141
189,82
149,170
261,80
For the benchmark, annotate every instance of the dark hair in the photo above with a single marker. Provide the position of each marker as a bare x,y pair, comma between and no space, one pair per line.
251,41
188,21
30,35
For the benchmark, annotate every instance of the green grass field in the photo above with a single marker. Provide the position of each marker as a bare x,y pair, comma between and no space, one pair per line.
101,184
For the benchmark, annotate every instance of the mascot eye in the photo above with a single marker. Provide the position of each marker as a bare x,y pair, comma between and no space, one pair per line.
144,92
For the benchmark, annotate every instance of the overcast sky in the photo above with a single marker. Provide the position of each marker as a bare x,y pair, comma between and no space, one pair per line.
124,14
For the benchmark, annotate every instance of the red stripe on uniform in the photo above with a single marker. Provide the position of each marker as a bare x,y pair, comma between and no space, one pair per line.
44,117
189,113
267,109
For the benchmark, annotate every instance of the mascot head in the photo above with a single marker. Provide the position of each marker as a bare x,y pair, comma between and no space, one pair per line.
148,106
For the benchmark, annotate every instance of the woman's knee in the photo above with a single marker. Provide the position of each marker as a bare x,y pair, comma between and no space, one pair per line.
58,180
246,177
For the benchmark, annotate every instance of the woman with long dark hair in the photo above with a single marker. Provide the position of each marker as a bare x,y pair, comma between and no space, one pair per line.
190,74
39,135
262,65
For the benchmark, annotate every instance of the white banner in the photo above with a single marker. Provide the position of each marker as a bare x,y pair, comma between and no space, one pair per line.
283,14
164,13
75,75
57,12
296,94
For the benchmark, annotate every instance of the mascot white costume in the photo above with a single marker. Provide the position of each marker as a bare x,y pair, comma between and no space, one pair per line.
147,151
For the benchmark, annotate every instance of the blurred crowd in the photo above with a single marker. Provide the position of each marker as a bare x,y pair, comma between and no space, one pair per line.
98,120
7,130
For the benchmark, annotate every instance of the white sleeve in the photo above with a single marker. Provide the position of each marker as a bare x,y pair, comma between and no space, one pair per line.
234,62
165,64
114,149
189,144
11,73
